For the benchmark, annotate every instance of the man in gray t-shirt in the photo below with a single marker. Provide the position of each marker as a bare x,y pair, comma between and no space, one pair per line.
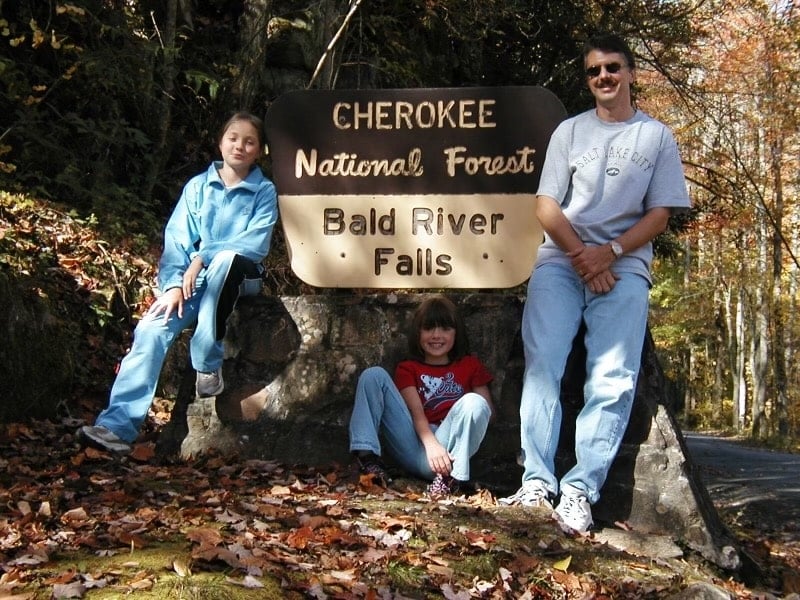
611,179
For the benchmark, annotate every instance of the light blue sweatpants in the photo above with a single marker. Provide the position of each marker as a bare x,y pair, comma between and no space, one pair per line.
218,286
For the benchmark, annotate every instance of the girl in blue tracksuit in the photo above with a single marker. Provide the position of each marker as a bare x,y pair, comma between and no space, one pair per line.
214,244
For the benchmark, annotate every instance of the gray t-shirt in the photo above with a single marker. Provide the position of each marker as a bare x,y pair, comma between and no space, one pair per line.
606,176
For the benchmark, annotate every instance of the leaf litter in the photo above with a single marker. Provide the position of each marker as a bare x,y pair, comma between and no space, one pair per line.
78,523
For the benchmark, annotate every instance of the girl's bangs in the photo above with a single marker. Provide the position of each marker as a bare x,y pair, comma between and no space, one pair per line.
438,315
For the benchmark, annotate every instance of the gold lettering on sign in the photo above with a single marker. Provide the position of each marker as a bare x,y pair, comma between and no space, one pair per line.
346,164
519,162
386,115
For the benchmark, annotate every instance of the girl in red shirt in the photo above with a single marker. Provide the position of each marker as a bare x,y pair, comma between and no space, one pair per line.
433,415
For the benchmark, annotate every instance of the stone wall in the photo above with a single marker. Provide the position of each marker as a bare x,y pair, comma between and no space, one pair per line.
291,369
292,364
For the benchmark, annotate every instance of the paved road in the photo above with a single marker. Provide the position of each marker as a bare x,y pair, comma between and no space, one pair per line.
758,481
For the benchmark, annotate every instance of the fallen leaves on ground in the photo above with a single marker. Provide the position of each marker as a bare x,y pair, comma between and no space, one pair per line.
320,533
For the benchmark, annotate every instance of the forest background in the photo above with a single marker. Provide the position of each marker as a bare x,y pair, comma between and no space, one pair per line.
108,106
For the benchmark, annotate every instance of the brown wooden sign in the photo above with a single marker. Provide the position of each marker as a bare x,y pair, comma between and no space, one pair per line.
412,188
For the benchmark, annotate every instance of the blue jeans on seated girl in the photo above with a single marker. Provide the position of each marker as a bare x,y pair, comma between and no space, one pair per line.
380,411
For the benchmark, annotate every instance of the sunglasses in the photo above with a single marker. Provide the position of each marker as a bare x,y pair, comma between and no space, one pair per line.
594,70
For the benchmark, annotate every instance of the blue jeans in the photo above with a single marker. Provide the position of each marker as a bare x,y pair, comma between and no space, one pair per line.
380,409
615,328
135,386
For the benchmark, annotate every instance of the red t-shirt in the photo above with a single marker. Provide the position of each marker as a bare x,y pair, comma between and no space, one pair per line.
439,386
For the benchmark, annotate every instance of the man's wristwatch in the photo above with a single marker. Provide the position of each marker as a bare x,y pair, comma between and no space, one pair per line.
616,248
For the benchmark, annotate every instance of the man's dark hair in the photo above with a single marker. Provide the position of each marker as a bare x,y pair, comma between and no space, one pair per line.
609,42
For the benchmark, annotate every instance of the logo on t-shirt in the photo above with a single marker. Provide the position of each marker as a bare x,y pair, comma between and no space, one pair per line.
438,389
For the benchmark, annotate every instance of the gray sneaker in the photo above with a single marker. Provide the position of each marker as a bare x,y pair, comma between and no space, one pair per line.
532,493
209,384
103,438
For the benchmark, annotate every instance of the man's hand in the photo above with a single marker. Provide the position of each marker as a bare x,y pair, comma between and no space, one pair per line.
602,283
169,301
593,266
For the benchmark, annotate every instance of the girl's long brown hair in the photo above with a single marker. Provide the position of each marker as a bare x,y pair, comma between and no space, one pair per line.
438,311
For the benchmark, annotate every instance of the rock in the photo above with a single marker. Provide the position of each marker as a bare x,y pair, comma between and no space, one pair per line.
291,368
701,591
638,543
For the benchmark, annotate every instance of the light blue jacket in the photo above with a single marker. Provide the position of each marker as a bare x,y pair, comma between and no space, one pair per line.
209,218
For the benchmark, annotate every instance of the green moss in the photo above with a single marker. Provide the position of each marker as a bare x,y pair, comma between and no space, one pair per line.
406,577
483,566
149,573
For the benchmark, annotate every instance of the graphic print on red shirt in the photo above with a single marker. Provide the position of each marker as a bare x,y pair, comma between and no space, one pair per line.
440,386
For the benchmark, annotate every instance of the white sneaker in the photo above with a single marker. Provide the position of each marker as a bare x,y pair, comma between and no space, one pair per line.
103,438
573,513
532,493
209,384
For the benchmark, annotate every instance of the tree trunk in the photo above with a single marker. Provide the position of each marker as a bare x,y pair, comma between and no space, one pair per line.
793,306
740,364
760,343
253,42
720,389
163,100
781,412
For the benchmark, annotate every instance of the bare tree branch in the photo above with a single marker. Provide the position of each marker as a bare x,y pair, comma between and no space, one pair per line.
354,4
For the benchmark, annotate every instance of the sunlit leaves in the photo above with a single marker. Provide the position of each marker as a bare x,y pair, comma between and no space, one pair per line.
736,129
69,9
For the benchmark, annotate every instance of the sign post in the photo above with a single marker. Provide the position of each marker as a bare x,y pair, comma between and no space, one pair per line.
412,188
